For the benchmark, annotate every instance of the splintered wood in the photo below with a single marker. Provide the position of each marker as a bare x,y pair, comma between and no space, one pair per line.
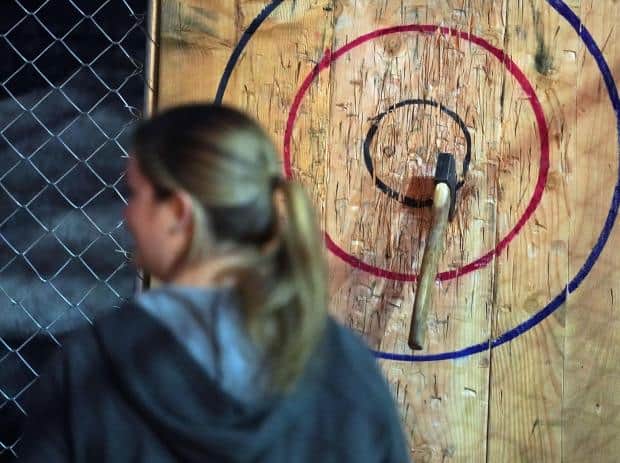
363,95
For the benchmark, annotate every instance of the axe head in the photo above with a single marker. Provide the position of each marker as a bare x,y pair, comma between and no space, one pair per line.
445,172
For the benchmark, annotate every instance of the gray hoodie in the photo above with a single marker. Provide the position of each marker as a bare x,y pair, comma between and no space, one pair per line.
170,377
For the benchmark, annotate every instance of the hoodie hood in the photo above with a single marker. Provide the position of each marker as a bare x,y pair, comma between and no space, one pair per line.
180,383
208,323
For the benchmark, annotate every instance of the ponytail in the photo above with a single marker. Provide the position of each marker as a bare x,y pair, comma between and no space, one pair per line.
287,311
304,249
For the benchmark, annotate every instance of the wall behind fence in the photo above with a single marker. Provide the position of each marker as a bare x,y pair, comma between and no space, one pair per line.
71,85
522,356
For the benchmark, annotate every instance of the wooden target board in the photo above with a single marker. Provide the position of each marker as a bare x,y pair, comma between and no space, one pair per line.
522,361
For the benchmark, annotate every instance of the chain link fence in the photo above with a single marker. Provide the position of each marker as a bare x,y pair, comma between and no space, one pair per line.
71,86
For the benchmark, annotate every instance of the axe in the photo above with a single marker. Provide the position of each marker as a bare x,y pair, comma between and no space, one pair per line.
444,203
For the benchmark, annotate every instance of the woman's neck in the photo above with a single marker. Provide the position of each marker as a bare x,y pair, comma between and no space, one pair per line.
215,271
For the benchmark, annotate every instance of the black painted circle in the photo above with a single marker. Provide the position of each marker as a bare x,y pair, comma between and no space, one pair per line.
372,131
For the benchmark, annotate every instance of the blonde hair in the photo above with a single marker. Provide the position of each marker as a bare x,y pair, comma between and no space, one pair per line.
231,169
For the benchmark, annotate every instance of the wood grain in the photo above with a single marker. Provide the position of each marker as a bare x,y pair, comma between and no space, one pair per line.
591,403
549,395
196,40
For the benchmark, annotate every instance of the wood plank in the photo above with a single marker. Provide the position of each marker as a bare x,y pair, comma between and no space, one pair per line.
591,413
526,380
444,404
282,52
194,44
196,39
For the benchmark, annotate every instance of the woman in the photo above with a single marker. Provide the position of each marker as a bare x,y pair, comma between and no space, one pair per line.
233,357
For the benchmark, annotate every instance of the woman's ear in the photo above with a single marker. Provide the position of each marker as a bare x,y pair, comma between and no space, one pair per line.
182,205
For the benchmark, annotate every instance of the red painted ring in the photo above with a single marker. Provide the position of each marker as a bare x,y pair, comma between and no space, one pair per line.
510,65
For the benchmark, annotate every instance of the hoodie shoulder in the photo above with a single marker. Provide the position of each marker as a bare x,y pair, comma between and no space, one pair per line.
355,399
353,363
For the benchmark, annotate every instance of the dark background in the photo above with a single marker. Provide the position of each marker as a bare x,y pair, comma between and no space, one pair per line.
71,88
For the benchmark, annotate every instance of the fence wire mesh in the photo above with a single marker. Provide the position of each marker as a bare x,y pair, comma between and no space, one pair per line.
71,86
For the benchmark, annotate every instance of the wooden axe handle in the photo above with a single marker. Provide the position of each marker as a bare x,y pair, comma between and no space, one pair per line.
428,271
